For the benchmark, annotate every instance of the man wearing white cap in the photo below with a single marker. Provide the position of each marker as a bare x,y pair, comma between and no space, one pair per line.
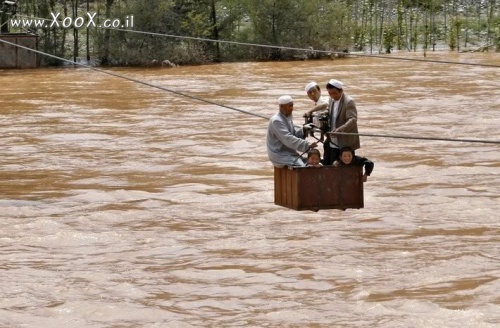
314,93
284,140
343,118
320,103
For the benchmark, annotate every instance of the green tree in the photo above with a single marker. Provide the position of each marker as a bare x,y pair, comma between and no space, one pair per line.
332,25
338,28
105,53
401,27
454,37
273,23
389,37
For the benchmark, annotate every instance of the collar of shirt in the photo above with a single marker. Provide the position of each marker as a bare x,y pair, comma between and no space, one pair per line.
337,101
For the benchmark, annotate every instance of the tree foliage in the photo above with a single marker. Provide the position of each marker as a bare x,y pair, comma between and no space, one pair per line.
331,25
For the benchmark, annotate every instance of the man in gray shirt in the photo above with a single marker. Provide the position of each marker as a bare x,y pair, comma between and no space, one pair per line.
283,139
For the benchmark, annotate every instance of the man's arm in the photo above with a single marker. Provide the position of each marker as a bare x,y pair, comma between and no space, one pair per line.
351,117
288,139
318,107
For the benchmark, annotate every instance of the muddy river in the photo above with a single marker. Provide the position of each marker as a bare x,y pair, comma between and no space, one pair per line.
122,205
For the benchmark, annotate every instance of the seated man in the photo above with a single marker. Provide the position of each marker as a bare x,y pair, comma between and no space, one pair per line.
283,139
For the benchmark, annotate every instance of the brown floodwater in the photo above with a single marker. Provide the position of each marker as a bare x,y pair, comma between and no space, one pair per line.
122,205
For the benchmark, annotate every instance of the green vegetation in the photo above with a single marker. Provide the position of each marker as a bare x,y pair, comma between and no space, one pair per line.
373,26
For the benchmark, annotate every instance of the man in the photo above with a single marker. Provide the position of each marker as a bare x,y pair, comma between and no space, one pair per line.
314,93
283,139
320,103
343,118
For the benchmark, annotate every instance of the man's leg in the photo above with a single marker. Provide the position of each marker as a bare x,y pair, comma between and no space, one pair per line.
334,154
326,153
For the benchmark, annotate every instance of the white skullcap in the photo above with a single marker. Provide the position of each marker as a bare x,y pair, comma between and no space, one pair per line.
285,100
336,83
310,85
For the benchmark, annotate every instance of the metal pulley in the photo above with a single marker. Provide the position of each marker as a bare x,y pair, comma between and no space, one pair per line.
316,123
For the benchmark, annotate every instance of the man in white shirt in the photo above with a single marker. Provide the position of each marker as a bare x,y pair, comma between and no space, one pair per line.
320,104
283,139
314,93
343,118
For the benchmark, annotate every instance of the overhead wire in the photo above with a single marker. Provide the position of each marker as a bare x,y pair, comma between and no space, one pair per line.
420,138
134,80
234,108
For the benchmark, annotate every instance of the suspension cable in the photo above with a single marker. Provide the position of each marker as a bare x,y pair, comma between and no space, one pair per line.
418,138
287,48
134,80
225,106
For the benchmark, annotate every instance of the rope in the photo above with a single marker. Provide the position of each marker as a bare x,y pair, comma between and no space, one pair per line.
419,138
229,107
135,80
289,48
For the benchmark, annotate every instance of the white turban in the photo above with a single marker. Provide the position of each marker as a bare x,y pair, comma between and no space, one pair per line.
310,85
336,83
285,100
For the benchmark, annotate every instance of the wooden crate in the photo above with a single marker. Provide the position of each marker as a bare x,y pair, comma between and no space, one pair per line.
328,187
14,57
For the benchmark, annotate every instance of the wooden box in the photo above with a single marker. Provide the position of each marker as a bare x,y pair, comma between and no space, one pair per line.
15,57
327,187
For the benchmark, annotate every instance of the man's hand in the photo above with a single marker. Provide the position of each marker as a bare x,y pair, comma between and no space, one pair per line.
313,145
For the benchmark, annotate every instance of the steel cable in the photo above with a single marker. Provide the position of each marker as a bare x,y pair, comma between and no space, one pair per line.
225,106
